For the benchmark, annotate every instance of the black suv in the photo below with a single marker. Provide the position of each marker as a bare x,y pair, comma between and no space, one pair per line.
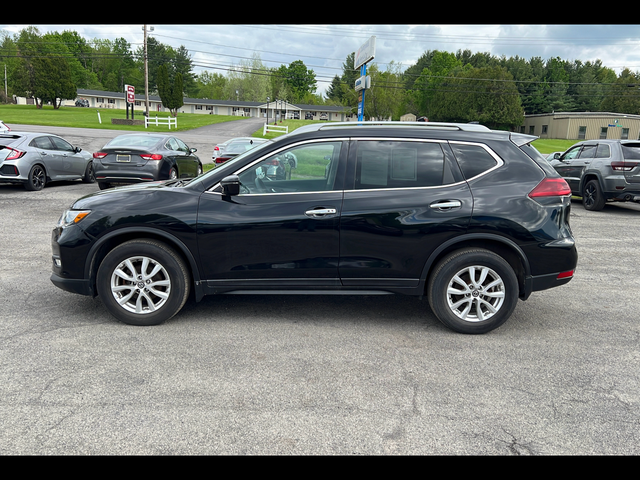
471,218
602,171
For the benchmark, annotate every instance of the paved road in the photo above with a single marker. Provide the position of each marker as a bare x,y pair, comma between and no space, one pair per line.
203,138
260,375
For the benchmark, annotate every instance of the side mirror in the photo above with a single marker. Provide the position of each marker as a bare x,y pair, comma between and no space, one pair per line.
230,185
77,149
557,156
193,150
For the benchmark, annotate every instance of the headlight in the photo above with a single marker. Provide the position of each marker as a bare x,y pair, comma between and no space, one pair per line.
71,217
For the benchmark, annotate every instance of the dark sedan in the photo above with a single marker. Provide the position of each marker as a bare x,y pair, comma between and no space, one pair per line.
144,157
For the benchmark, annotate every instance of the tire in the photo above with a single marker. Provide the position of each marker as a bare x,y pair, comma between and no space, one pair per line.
103,185
143,282
173,174
593,199
37,179
89,176
199,170
465,304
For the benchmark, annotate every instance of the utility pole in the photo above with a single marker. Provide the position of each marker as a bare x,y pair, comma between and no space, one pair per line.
146,71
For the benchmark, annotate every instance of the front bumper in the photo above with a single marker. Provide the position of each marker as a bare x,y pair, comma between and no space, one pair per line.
72,285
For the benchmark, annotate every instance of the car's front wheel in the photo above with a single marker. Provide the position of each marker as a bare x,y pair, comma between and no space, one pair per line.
473,291
89,176
143,282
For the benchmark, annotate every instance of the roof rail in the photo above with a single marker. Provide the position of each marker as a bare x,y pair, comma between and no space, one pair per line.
467,127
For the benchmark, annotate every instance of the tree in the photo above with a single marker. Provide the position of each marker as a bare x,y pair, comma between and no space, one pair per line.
486,95
623,96
385,95
43,70
210,85
299,80
171,92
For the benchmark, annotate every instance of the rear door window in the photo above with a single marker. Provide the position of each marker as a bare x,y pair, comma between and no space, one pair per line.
588,151
400,164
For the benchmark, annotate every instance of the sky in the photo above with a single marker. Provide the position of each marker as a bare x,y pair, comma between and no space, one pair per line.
324,48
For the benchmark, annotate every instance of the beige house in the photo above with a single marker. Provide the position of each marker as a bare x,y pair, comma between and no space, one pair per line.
583,125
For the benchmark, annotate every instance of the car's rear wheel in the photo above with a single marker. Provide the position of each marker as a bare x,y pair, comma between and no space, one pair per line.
89,176
593,199
473,291
37,178
173,174
143,282
103,185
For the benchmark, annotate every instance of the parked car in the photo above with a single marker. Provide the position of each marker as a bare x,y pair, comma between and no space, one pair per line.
471,219
144,157
237,146
35,159
308,116
323,116
4,127
602,171
552,157
82,102
219,147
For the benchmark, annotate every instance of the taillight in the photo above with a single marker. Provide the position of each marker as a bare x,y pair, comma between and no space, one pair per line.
221,159
551,187
99,155
625,166
151,156
15,154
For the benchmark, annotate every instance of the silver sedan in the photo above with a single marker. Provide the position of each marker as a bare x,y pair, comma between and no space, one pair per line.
34,159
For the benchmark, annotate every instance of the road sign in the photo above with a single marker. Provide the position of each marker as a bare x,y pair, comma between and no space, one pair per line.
365,53
131,93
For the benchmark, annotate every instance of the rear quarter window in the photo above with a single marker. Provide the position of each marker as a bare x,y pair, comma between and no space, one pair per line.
631,151
473,159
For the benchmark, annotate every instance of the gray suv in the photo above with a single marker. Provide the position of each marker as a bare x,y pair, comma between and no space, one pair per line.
602,171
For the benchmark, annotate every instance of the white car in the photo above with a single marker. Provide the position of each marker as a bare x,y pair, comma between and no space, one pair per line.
219,148
4,127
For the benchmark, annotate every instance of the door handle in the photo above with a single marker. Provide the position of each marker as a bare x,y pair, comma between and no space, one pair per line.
320,212
446,205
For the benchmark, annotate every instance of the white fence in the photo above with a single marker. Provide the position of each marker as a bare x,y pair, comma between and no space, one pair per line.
275,128
161,121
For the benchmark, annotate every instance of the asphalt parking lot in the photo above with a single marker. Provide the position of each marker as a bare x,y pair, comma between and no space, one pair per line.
257,375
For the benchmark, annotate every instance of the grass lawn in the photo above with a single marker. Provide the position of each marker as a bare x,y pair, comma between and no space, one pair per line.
546,146
88,118
292,124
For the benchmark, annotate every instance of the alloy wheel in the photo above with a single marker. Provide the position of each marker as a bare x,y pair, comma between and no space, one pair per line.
140,285
475,293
